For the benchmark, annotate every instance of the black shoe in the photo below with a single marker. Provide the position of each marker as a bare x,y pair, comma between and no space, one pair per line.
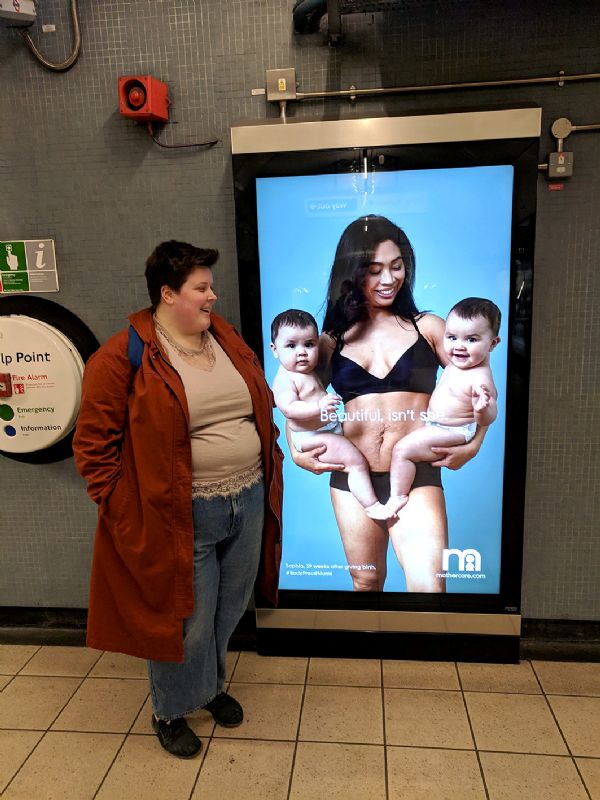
226,710
176,737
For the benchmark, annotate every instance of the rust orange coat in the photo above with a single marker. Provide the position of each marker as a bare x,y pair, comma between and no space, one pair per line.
132,446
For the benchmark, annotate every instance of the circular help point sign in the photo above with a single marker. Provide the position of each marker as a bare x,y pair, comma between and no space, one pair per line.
40,384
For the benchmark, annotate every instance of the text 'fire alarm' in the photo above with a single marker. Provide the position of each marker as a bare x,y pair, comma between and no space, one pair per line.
144,98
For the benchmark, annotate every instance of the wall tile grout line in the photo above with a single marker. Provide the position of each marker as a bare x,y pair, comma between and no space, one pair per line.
363,686
43,736
564,738
295,751
200,765
110,766
323,685
325,741
108,677
477,756
212,733
13,675
385,744
362,744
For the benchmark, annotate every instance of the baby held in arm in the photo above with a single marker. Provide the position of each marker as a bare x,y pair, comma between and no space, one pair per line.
464,397
302,399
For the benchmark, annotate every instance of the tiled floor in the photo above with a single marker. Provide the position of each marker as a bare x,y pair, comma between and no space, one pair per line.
75,724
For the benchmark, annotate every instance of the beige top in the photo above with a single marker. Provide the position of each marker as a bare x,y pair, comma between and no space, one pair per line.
225,444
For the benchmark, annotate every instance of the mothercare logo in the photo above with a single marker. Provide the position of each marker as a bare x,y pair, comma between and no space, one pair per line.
467,564
468,560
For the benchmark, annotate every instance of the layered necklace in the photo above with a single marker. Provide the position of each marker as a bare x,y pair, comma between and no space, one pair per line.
202,357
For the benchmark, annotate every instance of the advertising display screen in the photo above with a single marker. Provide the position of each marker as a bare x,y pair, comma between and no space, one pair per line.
387,288
458,222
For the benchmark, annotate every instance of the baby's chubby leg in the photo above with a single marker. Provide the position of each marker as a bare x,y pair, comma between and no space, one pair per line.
342,451
409,450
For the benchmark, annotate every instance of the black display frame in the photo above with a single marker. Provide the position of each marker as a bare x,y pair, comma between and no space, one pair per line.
522,154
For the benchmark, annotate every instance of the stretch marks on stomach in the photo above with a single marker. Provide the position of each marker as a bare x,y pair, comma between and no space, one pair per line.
375,422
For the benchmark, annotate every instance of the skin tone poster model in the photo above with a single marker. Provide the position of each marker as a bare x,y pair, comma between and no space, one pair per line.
382,357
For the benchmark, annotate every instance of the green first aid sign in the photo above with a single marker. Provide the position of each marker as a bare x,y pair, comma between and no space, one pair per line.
28,266
12,256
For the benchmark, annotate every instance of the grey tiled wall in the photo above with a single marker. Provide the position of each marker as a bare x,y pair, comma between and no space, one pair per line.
71,168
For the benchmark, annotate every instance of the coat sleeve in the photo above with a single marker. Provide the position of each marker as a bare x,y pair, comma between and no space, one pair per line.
101,422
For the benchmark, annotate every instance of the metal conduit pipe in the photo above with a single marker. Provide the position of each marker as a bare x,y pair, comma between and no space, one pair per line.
559,79
586,127
563,127
64,65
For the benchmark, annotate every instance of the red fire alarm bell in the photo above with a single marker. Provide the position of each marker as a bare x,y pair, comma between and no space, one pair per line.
144,98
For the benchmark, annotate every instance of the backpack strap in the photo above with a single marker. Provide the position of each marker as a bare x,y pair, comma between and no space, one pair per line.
135,348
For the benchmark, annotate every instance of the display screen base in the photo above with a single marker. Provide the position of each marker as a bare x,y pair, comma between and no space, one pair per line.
405,646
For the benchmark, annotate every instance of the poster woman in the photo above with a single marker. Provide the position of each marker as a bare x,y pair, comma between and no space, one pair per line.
381,356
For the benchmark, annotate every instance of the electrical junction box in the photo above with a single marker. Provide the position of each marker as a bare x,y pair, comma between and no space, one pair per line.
17,12
144,98
560,165
281,84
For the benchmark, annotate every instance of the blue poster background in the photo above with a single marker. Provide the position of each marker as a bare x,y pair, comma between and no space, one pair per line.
459,223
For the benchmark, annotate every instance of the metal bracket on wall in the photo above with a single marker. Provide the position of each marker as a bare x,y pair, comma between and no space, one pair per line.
562,127
560,163
281,87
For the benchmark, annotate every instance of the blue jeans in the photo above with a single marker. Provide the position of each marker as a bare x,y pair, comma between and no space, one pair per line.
227,542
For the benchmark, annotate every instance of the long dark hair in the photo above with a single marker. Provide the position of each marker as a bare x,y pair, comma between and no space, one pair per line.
346,302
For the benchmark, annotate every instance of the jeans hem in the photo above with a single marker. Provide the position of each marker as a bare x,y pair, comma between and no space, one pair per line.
186,713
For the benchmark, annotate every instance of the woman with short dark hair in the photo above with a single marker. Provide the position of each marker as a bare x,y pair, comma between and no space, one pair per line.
179,451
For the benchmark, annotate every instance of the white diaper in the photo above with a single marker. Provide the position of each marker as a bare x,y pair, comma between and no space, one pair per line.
298,437
468,430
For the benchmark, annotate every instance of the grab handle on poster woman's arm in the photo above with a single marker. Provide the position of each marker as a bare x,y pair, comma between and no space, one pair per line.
310,460
457,456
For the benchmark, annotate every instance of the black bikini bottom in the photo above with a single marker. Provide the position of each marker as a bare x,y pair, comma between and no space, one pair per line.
427,475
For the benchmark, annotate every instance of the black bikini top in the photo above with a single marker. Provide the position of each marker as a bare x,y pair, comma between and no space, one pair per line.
415,371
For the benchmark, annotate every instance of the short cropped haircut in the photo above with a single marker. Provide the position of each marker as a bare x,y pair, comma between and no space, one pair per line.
472,307
171,263
295,318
